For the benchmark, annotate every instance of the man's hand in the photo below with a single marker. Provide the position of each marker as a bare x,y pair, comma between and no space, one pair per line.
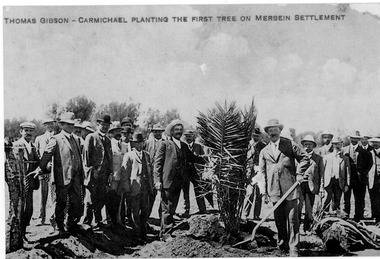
35,173
346,188
300,178
48,166
322,193
266,198
158,185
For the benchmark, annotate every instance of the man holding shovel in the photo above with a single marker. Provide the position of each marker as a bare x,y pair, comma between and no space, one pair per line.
277,162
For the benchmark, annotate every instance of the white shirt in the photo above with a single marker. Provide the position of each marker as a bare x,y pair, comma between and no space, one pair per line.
177,142
28,145
274,146
336,163
67,135
365,147
377,151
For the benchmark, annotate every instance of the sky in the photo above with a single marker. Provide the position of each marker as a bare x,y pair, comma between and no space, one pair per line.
311,75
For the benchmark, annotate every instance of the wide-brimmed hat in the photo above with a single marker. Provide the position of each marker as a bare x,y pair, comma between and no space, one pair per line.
174,123
77,124
366,135
158,127
137,137
273,123
355,134
336,140
189,132
309,138
374,139
127,129
88,126
27,125
47,120
104,118
327,132
67,117
126,120
115,125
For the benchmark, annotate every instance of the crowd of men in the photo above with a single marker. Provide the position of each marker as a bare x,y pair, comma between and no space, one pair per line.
113,167
117,168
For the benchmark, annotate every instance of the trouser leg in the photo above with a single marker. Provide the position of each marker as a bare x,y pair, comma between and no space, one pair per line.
199,197
44,186
169,203
186,194
61,201
280,218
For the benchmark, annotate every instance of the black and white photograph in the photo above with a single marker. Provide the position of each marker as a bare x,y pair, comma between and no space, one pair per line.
191,130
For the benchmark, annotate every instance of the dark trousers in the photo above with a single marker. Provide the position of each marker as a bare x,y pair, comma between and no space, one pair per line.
199,195
307,198
169,201
334,194
253,197
287,223
28,203
44,185
112,206
95,199
69,194
359,187
374,195
140,213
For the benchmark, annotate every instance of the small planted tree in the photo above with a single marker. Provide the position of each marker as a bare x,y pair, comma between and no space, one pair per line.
226,130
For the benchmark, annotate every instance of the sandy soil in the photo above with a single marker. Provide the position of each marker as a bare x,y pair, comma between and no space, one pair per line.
198,236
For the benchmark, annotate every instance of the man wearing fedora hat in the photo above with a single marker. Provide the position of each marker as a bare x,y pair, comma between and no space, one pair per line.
169,172
326,147
30,161
41,142
311,185
336,178
67,173
277,163
360,164
253,195
374,180
137,182
98,164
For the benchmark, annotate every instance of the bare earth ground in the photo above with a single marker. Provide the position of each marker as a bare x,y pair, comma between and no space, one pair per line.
195,237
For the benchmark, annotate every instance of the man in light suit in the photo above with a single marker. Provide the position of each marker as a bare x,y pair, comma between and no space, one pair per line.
169,172
31,161
277,162
310,186
137,180
360,164
98,164
336,178
41,143
151,146
374,179
327,147
68,174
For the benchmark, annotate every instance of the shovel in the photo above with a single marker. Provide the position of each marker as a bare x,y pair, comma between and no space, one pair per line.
252,237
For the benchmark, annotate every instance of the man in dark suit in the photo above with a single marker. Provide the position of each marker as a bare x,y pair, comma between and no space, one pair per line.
30,162
360,163
169,172
310,186
98,168
277,162
193,177
68,173
253,195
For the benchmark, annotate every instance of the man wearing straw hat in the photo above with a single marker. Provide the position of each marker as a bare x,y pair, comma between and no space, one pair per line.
277,162
374,180
41,143
98,164
360,164
327,147
169,172
310,187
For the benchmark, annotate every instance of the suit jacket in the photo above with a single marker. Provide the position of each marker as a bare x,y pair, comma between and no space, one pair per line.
315,173
41,142
151,148
344,170
135,173
117,159
197,150
31,160
280,172
168,166
94,154
60,149
373,174
358,171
